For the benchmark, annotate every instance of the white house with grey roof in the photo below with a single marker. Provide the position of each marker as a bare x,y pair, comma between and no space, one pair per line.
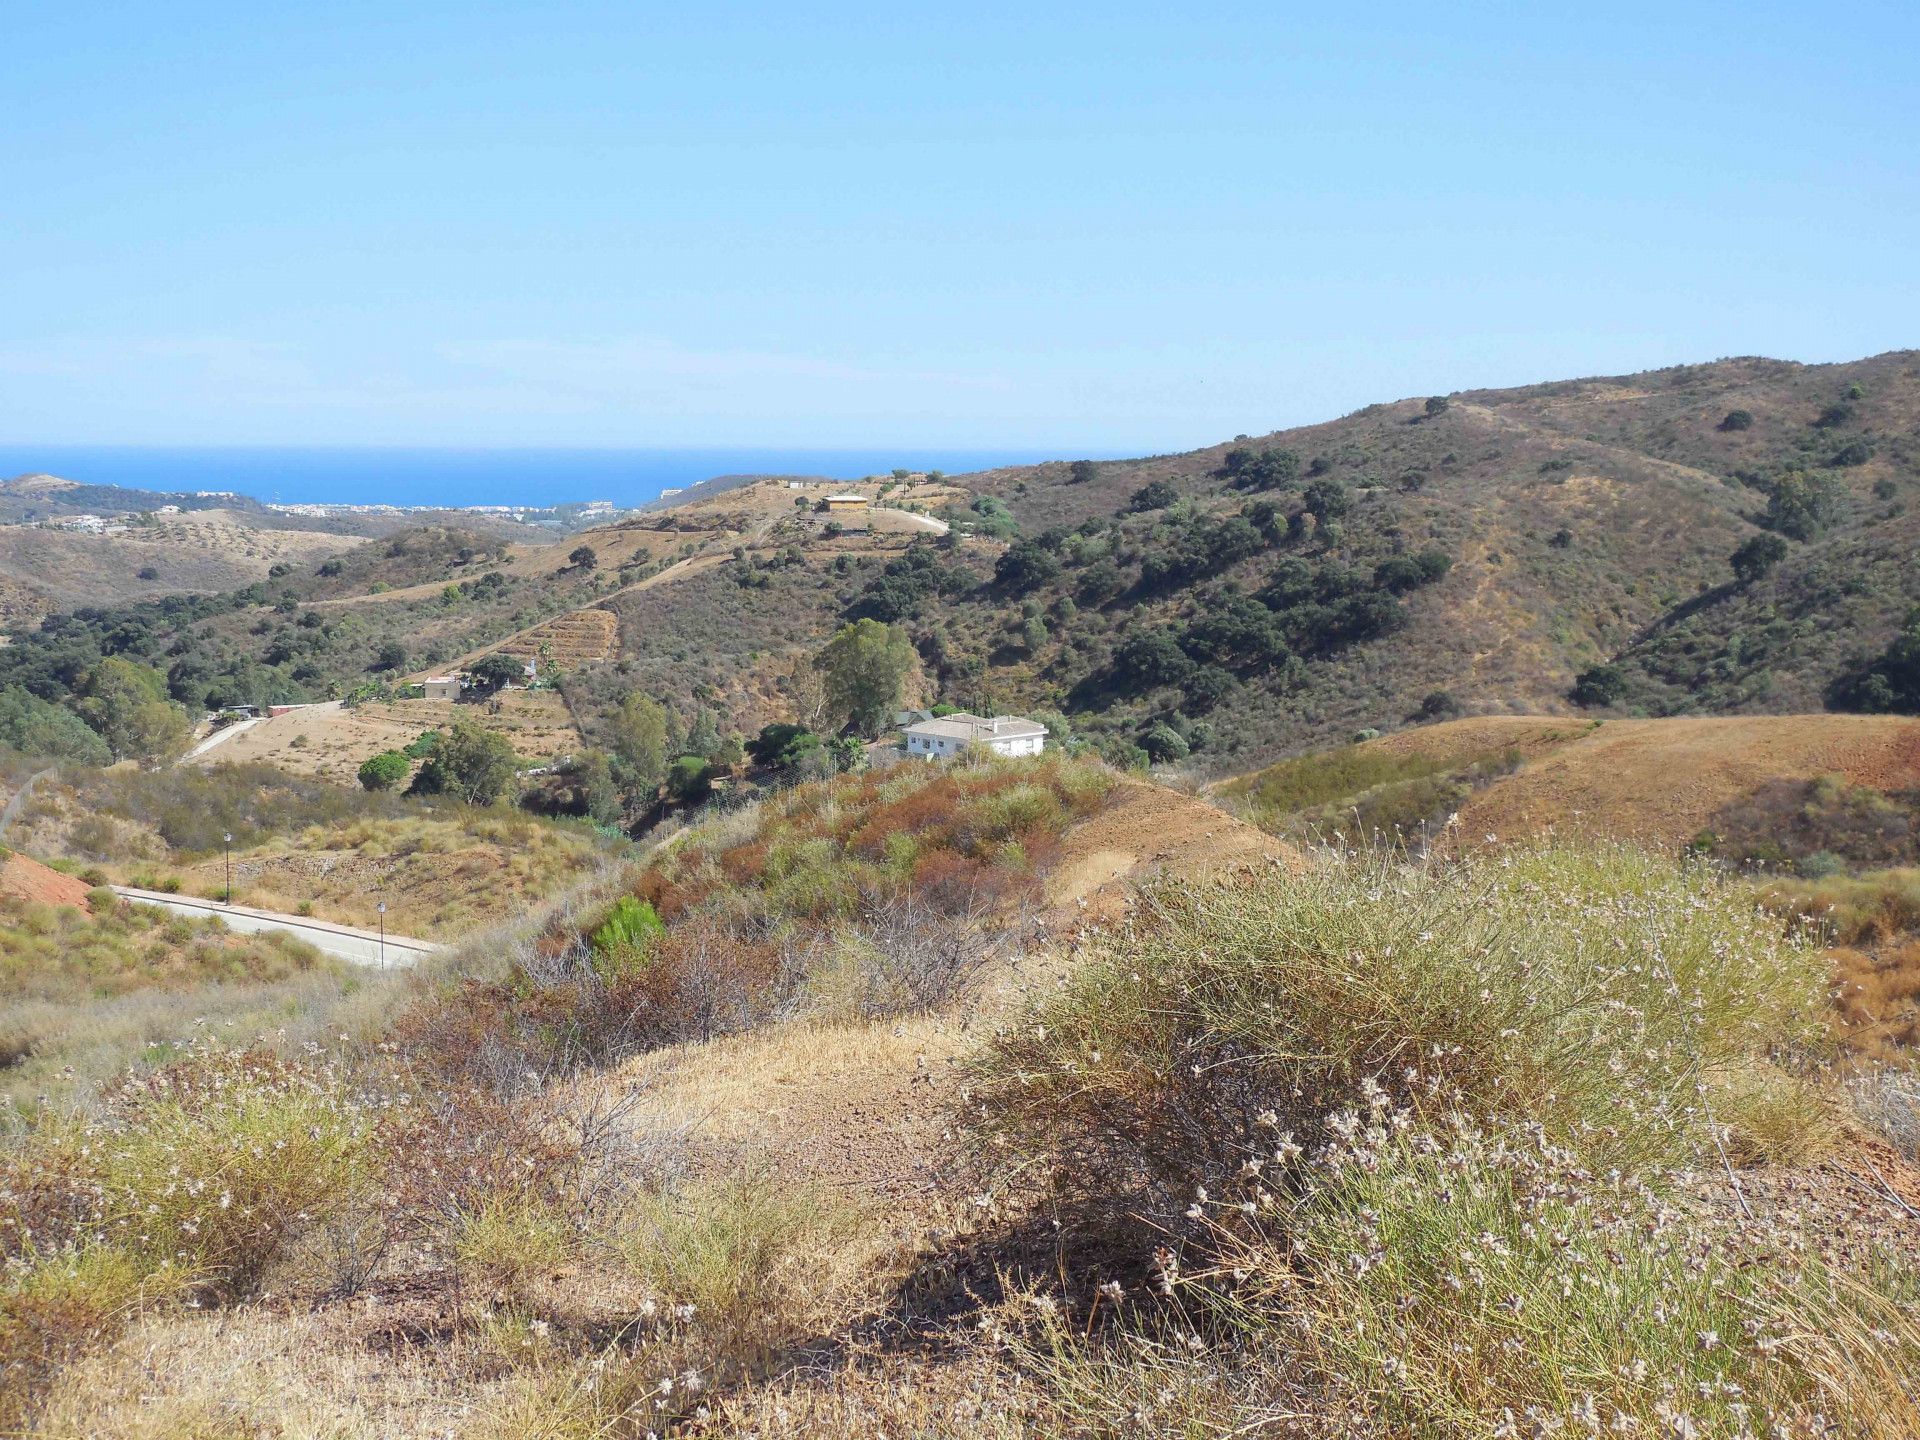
946,735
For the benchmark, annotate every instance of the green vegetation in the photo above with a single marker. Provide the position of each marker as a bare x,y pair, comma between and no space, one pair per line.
62,953
871,897
863,667
470,764
1404,1139
1359,794
385,770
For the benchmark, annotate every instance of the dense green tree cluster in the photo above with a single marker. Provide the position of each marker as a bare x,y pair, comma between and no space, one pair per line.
1890,684
1261,470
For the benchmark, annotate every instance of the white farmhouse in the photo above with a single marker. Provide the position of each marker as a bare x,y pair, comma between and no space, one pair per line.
950,734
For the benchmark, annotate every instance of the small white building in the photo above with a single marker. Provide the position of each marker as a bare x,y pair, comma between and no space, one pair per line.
441,687
950,734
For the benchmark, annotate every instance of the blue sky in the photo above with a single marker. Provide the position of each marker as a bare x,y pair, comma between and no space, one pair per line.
1104,227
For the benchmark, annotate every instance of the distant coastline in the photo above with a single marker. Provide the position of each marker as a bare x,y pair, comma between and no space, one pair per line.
447,477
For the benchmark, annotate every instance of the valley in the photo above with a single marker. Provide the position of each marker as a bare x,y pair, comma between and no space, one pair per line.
1461,930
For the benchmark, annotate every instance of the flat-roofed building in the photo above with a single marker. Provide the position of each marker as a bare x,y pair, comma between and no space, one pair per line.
950,734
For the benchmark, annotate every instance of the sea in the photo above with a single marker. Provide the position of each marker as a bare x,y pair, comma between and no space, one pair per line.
437,477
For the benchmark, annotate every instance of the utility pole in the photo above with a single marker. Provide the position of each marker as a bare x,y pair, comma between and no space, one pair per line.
228,837
382,908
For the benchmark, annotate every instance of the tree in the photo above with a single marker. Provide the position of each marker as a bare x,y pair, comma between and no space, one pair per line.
640,739
392,656
1891,683
1150,658
703,736
1800,506
384,771
1326,500
690,779
864,666
497,670
1759,555
1600,685
39,728
1737,420
1154,495
583,558
1163,743
599,793
1033,634
1081,471
1437,404
1026,565
470,764
126,704
1206,687
1268,470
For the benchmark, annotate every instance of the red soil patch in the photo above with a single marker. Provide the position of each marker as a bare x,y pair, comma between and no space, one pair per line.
26,879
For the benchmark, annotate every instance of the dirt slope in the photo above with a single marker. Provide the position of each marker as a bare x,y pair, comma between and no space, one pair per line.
25,879
1659,781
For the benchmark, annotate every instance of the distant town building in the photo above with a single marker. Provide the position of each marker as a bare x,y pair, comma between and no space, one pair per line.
441,687
950,734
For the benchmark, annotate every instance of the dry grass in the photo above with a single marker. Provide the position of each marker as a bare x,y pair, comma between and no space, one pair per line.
441,878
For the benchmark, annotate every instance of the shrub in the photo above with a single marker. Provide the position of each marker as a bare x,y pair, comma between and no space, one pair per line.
690,779
1587,992
53,1309
384,771
508,1241
630,928
757,1257
1735,420
1154,495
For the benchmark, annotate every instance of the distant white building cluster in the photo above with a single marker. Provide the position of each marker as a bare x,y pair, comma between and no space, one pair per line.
590,509
938,736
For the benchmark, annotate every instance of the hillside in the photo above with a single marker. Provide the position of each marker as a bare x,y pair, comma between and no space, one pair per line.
1466,555
844,1115
1664,783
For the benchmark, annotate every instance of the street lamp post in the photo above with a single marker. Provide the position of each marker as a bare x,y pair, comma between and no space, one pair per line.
228,837
382,908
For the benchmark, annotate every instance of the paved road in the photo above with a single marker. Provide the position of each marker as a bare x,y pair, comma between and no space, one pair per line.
218,737
361,947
